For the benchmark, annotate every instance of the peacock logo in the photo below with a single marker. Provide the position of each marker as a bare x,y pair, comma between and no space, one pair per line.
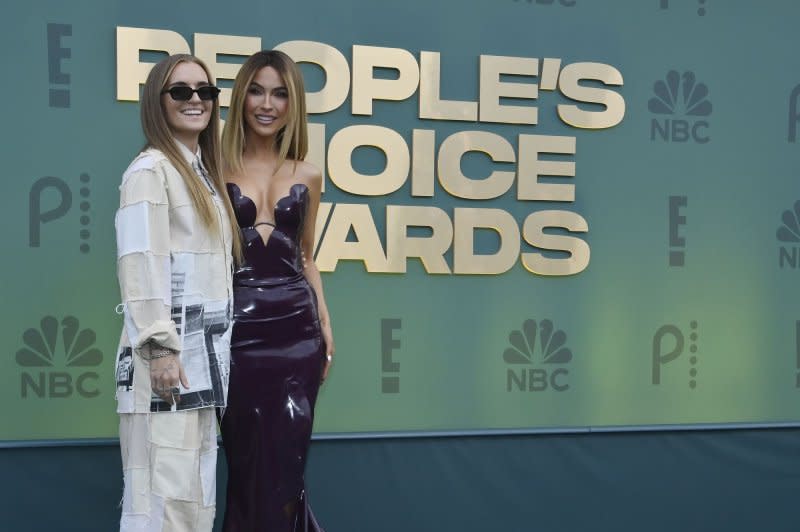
680,95
533,344
790,230
58,345
788,235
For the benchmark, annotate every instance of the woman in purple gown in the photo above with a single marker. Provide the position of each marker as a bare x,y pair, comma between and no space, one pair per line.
282,344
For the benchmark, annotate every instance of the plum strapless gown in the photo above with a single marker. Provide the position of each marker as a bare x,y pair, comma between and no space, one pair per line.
277,357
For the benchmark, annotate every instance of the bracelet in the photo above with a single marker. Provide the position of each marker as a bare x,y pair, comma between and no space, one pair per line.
157,351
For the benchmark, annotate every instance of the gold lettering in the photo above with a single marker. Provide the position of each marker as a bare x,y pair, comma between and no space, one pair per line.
337,73
531,167
207,46
323,212
430,250
430,106
130,71
456,183
465,260
569,84
335,247
423,148
366,88
533,232
344,176
492,89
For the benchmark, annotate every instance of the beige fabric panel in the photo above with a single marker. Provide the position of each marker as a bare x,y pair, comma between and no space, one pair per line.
169,462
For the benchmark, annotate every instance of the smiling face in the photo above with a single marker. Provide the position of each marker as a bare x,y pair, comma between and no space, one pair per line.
266,103
187,119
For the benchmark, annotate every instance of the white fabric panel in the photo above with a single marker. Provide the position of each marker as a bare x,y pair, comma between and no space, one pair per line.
141,394
136,523
203,271
208,477
142,227
189,283
157,510
136,498
208,461
197,371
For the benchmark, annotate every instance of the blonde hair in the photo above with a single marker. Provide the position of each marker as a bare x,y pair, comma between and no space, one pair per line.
159,136
292,139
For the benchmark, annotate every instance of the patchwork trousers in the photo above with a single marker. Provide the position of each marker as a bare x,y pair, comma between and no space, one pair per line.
169,463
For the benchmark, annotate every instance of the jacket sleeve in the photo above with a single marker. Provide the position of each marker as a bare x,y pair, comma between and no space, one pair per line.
143,256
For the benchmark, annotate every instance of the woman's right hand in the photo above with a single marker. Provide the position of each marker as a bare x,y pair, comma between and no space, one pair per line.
165,374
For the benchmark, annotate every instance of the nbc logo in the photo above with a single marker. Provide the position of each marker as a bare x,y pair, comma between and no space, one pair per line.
789,235
680,95
553,354
40,355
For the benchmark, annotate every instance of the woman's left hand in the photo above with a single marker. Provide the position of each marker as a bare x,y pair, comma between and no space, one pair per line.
327,336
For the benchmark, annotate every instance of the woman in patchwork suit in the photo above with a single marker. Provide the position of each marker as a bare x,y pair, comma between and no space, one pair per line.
174,262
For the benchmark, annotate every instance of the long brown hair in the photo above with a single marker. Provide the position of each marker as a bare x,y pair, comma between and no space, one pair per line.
159,136
293,137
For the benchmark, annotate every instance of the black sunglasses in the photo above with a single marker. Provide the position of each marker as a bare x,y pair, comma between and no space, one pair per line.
183,93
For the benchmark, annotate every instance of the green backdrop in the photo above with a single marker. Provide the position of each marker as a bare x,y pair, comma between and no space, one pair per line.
686,314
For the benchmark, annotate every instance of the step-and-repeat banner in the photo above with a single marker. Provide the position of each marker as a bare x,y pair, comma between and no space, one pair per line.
537,213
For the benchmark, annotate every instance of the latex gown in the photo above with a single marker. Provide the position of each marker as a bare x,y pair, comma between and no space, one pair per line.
277,357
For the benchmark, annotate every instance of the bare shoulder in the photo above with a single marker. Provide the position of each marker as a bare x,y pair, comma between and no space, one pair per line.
308,173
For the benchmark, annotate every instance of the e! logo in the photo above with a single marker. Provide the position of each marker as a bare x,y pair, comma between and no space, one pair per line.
390,369
677,243
59,96
794,117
